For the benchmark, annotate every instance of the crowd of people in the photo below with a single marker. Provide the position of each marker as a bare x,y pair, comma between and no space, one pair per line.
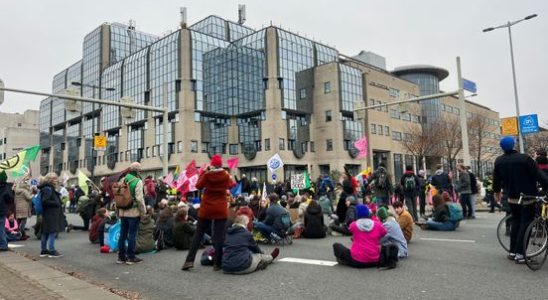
379,215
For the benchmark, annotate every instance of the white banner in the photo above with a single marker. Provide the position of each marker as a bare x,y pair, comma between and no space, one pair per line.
298,181
275,163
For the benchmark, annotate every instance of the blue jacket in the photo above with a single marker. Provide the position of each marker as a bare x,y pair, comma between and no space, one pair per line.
394,235
273,216
237,250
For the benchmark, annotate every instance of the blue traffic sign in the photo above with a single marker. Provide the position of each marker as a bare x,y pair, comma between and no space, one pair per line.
469,85
274,176
528,124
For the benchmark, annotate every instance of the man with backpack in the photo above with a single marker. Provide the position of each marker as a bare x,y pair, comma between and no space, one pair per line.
381,186
410,185
130,215
277,220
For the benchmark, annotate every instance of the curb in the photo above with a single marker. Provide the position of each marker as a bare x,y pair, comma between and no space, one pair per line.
65,285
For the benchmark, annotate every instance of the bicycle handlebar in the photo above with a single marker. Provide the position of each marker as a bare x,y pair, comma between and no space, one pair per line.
537,198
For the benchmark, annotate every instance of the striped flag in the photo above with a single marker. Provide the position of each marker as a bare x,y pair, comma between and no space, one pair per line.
265,194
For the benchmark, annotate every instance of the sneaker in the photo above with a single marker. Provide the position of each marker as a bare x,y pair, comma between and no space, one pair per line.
54,254
134,260
44,253
262,265
511,256
121,261
275,253
187,266
519,259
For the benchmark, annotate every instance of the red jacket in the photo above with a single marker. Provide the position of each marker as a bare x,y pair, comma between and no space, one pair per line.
214,203
93,234
150,188
245,210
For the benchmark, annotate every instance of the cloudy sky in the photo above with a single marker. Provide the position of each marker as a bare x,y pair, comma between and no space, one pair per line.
40,38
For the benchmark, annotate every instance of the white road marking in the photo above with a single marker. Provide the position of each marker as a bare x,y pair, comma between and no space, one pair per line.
309,261
448,240
15,245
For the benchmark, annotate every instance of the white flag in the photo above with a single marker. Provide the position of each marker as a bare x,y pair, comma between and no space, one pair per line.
263,197
275,163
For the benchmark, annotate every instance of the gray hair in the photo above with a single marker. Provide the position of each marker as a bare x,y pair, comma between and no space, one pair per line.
241,220
50,176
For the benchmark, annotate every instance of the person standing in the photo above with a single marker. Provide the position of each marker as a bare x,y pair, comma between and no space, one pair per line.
422,192
23,198
410,185
52,217
474,188
6,200
129,217
465,192
213,211
517,174
442,181
489,196
381,186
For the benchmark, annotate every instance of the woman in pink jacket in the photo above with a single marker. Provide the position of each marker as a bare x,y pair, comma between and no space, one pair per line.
366,247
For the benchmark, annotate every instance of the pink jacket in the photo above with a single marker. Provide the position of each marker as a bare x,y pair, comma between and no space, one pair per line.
366,246
11,229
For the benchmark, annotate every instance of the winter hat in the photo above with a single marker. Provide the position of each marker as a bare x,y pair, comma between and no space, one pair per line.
216,161
3,176
507,143
352,199
362,211
382,213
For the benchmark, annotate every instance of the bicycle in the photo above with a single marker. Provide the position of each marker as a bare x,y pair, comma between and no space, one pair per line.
503,232
535,242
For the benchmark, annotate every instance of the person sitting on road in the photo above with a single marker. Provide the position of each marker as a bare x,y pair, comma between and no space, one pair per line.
104,226
366,241
145,234
394,234
405,220
440,216
95,222
314,227
243,209
183,231
350,217
163,233
241,254
273,226
12,229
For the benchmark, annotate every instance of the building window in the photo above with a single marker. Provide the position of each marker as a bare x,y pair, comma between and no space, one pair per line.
281,144
328,116
394,114
312,147
406,116
396,136
194,146
267,144
329,145
205,147
179,146
290,145
442,107
380,107
302,93
386,130
327,87
373,129
456,111
379,129
233,149
394,93
148,153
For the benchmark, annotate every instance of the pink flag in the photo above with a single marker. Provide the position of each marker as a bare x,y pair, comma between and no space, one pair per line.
192,183
181,180
191,169
362,146
233,162
203,168
168,179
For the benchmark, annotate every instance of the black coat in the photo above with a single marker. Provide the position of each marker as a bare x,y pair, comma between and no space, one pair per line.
238,247
182,235
6,199
314,227
517,173
52,218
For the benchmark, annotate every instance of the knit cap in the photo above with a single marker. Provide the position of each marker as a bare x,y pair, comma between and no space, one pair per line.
382,213
362,211
217,161
507,143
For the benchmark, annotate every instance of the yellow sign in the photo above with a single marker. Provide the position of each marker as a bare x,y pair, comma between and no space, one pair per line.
100,142
509,126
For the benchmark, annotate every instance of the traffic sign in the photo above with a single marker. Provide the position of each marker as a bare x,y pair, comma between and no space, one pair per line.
528,124
509,126
274,176
100,142
469,85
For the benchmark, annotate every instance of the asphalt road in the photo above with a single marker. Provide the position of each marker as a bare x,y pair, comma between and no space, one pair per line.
465,264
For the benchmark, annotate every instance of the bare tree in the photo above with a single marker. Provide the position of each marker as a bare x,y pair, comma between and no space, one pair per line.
478,128
420,141
450,138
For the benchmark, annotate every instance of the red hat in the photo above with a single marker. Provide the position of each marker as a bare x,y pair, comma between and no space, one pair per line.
217,161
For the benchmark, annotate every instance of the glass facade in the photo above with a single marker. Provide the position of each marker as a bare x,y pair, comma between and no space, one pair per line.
73,144
91,67
221,29
112,77
74,74
125,41
164,68
135,83
351,87
429,84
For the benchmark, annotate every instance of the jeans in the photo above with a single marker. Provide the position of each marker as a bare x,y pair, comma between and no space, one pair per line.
383,201
22,224
522,215
466,203
48,241
411,203
473,205
344,257
128,231
217,238
340,228
445,226
3,238
265,230
422,203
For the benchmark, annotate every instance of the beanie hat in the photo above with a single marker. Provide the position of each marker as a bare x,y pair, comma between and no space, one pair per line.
3,176
362,211
382,213
507,143
352,199
217,161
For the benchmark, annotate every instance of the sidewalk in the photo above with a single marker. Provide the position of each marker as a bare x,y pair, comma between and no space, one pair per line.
23,278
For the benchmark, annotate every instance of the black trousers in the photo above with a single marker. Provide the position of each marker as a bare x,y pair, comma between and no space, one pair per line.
422,203
218,239
522,216
345,258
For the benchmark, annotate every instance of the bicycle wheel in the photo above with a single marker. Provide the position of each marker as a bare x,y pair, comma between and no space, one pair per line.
535,244
503,232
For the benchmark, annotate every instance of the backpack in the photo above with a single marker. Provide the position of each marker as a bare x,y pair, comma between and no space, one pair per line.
285,222
389,256
409,184
207,256
382,181
160,242
83,203
122,194
37,203
455,212
473,183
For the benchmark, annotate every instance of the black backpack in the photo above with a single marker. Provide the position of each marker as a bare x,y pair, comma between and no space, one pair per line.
389,256
410,185
473,183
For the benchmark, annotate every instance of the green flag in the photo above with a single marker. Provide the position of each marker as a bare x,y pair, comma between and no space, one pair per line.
307,184
19,163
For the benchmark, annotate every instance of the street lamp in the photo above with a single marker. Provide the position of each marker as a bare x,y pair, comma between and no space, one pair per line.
509,25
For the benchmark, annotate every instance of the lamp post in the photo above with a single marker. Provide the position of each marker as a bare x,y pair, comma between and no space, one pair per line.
93,133
509,25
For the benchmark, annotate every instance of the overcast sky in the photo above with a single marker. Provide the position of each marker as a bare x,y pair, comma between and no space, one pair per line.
40,38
